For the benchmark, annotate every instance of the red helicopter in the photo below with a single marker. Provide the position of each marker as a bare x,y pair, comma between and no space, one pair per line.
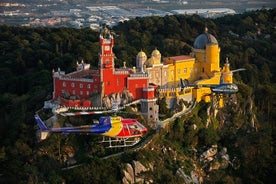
124,132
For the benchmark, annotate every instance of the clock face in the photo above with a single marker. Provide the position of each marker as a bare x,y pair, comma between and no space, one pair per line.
106,47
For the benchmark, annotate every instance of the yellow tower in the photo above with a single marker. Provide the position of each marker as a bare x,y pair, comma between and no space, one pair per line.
226,73
212,56
206,52
207,59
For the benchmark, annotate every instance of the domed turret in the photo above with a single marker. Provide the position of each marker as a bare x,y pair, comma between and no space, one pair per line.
204,39
141,58
156,55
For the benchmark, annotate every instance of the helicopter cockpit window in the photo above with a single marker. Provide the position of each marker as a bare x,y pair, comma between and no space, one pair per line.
140,125
135,127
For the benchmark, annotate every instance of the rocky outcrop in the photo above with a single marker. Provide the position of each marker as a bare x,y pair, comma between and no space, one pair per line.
248,110
128,174
212,160
133,173
193,177
117,98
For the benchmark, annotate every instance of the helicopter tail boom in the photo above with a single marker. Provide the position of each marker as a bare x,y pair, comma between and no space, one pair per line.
44,130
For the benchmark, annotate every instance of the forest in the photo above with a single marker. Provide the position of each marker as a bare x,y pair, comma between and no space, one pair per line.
28,56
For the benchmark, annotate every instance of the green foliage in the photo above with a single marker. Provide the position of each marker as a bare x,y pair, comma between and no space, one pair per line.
208,137
163,109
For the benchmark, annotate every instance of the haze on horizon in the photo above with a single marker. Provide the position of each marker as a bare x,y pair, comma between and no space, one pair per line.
78,13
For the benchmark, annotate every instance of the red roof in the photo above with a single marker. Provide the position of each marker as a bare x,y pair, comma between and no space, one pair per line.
183,57
83,74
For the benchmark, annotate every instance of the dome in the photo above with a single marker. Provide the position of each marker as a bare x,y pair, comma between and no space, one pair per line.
202,40
155,53
141,54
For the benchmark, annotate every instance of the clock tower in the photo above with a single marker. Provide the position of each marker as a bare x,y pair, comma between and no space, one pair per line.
106,55
106,63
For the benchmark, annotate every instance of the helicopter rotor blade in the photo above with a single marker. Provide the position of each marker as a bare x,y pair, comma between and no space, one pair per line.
82,113
237,70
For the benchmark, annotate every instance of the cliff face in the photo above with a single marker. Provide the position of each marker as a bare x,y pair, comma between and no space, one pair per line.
202,146
135,173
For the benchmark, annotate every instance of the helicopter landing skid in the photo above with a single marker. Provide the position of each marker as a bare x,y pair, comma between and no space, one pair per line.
121,142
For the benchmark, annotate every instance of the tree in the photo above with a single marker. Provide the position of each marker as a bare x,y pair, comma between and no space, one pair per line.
208,137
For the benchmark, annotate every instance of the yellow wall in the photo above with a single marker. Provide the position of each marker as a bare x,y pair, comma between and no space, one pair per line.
213,80
184,70
202,94
171,76
207,59
181,69
212,56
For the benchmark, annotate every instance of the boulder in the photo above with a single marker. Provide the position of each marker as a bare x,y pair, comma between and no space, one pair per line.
138,168
128,174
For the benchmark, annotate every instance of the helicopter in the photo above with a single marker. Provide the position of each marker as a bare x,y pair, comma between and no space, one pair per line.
123,131
221,88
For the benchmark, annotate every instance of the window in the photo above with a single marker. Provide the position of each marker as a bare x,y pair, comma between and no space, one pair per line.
203,70
178,71
107,61
64,84
150,108
72,84
88,86
106,47
81,93
81,85
87,93
185,70
74,92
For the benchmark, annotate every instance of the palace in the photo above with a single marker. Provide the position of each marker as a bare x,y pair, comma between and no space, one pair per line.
150,79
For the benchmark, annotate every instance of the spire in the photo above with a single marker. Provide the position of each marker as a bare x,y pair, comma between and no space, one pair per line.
227,61
206,28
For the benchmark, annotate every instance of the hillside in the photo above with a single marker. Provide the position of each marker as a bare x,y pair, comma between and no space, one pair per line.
244,130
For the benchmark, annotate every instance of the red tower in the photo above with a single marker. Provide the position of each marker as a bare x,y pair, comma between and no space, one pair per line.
112,80
106,55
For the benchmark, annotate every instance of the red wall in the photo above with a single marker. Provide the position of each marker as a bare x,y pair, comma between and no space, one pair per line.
81,88
113,83
148,93
136,85
75,103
